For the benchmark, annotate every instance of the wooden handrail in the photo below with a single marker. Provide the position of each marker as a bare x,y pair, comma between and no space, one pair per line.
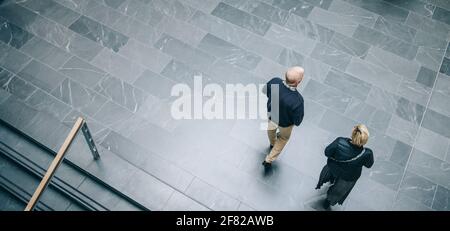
54,165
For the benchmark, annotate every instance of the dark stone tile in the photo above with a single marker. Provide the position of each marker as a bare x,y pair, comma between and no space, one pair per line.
378,39
309,29
13,35
83,47
425,8
447,53
406,203
328,96
349,45
395,29
102,13
41,75
112,114
289,58
333,21
241,18
184,52
336,123
15,85
442,15
442,199
426,77
180,72
401,153
18,15
147,56
52,10
432,168
386,173
229,52
122,93
113,3
12,59
4,95
143,12
290,39
331,56
262,46
82,72
418,188
118,66
362,16
348,84
45,52
10,202
155,84
79,97
44,102
270,13
445,67
382,8
437,122
410,111
100,33
148,161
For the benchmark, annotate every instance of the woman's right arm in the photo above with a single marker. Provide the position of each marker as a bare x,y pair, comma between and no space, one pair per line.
331,148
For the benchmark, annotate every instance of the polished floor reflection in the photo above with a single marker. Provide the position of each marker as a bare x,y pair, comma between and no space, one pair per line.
384,63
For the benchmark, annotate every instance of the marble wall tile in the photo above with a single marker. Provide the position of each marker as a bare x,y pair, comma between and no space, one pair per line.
348,84
15,85
385,42
402,130
121,93
424,8
290,39
441,200
211,197
441,15
426,77
331,56
434,169
100,33
386,173
45,52
290,58
142,12
382,8
147,56
13,35
241,18
432,143
82,47
392,62
336,123
309,29
445,67
410,111
220,28
79,97
44,102
418,188
395,29
82,72
373,74
112,115
205,6
354,13
12,59
229,52
349,45
155,84
414,91
41,75
327,96
432,27
52,10
333,21
262,46
436,122
118,66
400,154
184,52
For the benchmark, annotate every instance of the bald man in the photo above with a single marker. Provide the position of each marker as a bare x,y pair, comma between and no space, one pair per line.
283,95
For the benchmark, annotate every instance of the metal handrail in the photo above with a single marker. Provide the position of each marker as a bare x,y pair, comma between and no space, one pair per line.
79,124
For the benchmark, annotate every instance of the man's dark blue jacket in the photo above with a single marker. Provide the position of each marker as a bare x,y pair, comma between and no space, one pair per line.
291,109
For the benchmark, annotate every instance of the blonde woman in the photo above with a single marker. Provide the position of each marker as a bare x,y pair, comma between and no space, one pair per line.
344,165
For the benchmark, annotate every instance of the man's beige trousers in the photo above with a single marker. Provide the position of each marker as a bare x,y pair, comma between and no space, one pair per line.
277,142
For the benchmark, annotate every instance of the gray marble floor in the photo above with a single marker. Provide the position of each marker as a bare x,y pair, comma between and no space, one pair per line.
385,63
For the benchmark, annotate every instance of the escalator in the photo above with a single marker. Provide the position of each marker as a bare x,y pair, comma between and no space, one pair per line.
23,163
